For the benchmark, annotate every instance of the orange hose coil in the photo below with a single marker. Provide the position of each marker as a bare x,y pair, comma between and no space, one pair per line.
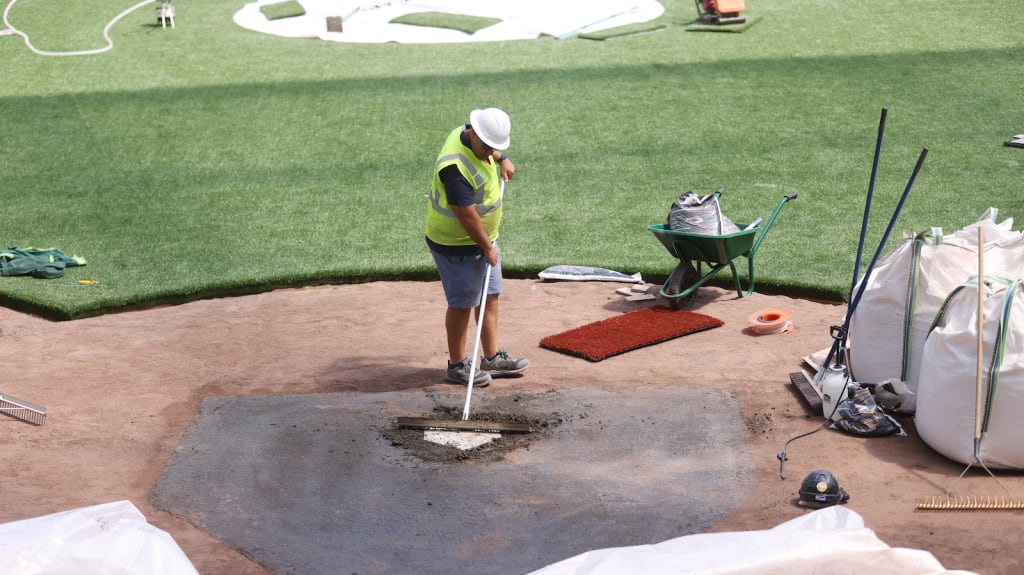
769,321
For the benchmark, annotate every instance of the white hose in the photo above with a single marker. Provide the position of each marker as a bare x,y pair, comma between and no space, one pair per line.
110,44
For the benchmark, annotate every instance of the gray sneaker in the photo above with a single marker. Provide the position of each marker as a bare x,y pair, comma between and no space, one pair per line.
459,373
502,365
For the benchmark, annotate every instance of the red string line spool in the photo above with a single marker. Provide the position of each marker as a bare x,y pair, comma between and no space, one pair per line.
769,321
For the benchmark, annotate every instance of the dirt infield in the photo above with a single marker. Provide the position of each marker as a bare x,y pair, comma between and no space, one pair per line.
121,390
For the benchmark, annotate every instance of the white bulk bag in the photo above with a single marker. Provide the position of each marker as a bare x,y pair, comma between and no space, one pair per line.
904,291
947,388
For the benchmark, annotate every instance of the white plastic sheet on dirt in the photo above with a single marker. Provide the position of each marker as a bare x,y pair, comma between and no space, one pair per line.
830,541
369,21
111,538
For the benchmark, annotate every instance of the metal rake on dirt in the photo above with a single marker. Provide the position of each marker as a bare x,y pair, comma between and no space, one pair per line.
949,502
23,410
983,503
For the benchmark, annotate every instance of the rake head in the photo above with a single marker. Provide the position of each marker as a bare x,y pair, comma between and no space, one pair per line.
988,503
23,410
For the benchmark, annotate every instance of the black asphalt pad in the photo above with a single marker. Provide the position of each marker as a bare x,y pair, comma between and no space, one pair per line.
326,483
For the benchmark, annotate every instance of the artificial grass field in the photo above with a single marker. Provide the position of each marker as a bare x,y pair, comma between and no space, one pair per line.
211,160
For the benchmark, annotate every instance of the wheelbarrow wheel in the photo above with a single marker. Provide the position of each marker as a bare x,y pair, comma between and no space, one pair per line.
682,279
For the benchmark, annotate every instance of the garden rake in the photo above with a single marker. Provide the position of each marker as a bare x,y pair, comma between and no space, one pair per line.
23,410
948,502
466,424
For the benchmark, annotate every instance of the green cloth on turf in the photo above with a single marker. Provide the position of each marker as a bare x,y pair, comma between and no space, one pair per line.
38,263
460,22
627,30
279,10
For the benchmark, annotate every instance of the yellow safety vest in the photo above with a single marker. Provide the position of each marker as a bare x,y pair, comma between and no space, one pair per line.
443,226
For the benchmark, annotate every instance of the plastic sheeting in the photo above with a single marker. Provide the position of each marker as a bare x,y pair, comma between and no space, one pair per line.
369,21
831,541
587,274
111,538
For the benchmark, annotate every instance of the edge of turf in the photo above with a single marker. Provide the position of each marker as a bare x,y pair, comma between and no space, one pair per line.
56,313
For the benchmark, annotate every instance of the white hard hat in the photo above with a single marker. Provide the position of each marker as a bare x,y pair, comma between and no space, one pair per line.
493,126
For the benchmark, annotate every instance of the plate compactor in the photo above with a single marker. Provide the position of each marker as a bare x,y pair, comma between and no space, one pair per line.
720,11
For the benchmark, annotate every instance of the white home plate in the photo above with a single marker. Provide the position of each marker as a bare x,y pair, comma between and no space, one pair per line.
463,440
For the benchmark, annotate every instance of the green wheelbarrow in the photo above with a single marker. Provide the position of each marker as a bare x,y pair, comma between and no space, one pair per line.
717,251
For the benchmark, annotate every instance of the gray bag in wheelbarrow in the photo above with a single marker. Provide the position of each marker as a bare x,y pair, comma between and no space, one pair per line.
906,289
698,214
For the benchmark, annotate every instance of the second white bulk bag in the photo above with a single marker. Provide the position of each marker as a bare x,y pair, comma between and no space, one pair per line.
947,389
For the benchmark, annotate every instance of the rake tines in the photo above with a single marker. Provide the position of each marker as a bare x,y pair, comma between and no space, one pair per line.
950,502
988,503
23,410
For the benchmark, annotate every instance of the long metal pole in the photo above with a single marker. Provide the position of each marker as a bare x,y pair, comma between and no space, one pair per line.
480,323
867,203
840,338
476,343
839,353
888,229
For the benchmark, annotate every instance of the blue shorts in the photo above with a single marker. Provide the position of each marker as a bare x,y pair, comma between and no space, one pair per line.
462,278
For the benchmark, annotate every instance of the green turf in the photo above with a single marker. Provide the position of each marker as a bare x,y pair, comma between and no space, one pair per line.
211,160
462,23
626,30
733,28
286,9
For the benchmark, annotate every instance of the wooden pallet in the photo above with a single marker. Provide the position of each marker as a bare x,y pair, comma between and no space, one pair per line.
807,389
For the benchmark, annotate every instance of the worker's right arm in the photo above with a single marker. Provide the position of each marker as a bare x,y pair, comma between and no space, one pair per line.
470,221
460,198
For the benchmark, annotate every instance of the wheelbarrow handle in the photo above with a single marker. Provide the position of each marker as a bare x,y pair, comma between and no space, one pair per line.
768,224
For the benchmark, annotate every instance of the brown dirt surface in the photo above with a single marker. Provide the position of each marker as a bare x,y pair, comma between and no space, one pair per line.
120,391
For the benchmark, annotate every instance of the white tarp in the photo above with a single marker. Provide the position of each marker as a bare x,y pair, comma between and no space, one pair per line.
832,541
111,538
368,21
587,274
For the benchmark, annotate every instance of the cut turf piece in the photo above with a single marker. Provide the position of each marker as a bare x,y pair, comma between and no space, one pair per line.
460,22
279,10
697,26
620,31
629,331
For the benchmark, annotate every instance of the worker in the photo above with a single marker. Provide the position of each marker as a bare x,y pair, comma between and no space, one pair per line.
463,217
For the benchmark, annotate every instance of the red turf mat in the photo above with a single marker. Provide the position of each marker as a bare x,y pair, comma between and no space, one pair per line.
629,331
